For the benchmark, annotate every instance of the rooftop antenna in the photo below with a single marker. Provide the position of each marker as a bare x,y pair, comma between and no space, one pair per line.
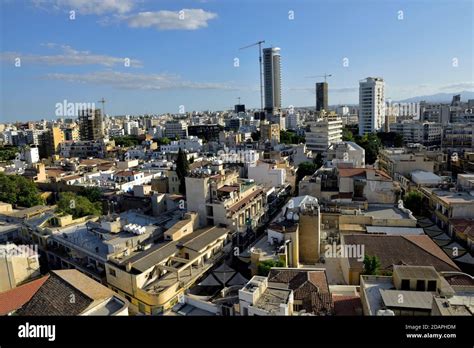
259,43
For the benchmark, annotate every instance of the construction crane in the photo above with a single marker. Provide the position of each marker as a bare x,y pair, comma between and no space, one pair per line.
102,101
325,76
259,43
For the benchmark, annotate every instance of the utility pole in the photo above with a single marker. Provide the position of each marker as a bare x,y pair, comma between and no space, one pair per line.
259,43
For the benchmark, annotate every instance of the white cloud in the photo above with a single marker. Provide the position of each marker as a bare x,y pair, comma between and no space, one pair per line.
70,56
136,81
88,7
186,19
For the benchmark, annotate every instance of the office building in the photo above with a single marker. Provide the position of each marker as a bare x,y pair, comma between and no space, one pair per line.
321,96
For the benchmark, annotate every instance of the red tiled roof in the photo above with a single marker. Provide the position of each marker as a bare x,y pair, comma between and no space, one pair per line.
13,299
347,305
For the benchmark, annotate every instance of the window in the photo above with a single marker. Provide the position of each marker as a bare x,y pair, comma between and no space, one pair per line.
431,285
112,272
405,284
420,285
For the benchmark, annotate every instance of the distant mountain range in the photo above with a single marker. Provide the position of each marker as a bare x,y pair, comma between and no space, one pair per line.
439,97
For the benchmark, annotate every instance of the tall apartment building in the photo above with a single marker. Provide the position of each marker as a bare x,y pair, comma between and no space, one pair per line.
323,132
321,96
272,79
91,125
371,105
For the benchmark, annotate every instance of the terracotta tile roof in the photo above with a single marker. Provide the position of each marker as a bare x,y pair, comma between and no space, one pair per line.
309,287
347,305
392,250
15,298
54,298
348,172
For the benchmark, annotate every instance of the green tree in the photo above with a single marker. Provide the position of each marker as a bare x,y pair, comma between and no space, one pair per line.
371,265
398,141
126,141
264,267
77,206
318,160
19,191
414,201
163,141
347,135
305,168
93,194
182,170
371,144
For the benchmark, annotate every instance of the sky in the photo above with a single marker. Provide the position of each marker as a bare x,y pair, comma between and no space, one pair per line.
157,56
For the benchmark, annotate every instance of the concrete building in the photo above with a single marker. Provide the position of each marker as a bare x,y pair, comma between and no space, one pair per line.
321,96
272,79
222,199
322,133
371,105
91,125
345,154
176,129
32,155
267,174
270,132
258,298
403,162
18,264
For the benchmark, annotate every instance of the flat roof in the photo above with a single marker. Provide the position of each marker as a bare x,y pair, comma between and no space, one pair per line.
271,299
394,230
385,211
418,272
407,299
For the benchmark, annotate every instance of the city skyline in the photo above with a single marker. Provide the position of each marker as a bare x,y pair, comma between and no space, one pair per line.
136,62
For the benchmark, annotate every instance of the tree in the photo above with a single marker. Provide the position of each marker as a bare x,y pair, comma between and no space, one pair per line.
264,267
305,168
182,170
126,141
371,144
93,194
289,137
347,135
414,201
318,161
77,206
255,136
398,142
163,141
371,265
19,191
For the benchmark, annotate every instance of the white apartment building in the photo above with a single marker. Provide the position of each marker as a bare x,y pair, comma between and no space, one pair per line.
427,133
190,144
345,154
32,155
371,105
267,174
323,133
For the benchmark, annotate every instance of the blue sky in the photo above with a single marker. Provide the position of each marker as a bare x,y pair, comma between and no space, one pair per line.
190,60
